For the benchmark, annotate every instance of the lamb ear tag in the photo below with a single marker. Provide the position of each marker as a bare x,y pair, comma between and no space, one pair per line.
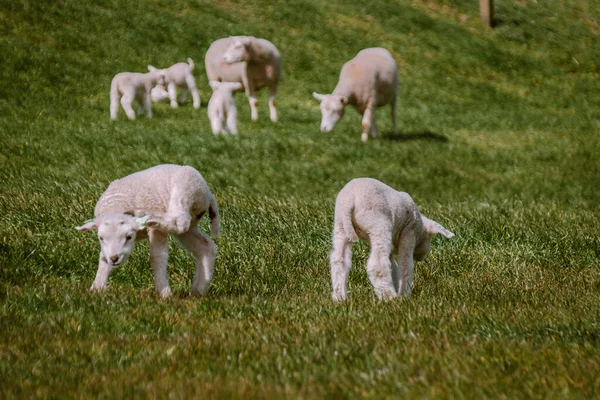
142,222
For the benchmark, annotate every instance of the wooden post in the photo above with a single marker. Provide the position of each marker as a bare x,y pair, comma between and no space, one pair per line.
486,11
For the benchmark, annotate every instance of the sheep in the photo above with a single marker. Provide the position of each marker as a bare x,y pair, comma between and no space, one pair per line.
222,106
396,231
130,86
153,203
179,76
367,81
254,62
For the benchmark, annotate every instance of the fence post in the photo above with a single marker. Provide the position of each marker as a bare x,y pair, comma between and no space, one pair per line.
486,11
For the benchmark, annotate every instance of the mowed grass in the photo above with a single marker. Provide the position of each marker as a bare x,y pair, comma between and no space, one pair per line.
499,142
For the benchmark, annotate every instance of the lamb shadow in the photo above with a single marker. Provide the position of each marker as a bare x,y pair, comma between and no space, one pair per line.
410,136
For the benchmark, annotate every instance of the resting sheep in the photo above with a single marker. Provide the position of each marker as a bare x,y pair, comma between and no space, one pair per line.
394,228
368,81
221,107
254,62
177,76
153,203
130,86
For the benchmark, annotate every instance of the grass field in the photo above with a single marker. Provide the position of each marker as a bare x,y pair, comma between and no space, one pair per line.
499,142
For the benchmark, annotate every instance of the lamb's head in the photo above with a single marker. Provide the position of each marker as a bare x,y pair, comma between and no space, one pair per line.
116,233
332,109
157,76
228,86
159,94
430,229
238,50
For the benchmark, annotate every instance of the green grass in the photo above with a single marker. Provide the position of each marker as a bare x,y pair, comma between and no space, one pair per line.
499,141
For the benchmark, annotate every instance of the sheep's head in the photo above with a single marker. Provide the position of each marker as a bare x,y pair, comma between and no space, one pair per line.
159,94
238,50
157,76
332,109
228,86
430,229
116,233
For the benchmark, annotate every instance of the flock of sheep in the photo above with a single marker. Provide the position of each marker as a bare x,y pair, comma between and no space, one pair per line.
171,199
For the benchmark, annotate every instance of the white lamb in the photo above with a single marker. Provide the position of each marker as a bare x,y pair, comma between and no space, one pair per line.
368,81
256,63
130,86
221,107
177,76
153,203
393,226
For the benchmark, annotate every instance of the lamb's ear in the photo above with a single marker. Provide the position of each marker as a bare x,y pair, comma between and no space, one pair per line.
214,84
236,86
151,68
318,96
146,222
87,225
344,100
431,226
246,41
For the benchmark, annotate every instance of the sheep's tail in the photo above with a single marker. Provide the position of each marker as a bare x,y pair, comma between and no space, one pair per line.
346,220
191,63
213,213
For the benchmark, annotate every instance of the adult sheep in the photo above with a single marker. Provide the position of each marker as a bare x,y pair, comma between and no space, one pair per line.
368,81
153,203
254,62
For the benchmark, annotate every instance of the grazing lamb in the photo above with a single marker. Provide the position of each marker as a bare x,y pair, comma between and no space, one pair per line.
367,81
394,228
221,107
130,86
254,62
153,203
179,76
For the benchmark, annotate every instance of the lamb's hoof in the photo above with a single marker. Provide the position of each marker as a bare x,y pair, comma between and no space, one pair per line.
387,295
97,289
364,137
338,297
165,293
174,105
199,292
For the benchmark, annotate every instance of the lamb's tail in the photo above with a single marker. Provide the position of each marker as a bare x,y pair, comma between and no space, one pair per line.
191,63
346,220
213,213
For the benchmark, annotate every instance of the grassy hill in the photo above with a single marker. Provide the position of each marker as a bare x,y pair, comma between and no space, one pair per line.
499,141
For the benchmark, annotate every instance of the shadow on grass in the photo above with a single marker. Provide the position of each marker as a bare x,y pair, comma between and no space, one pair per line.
406,137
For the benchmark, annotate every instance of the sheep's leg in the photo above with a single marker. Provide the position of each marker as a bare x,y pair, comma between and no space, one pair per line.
159,256
272,109
126,101
341,262
101,275
148,103
379,269
374,131
204,251
395,273
232,121
191,84
406,249
253,107
367,120
178,217
172,90
216,124
249,86
114,106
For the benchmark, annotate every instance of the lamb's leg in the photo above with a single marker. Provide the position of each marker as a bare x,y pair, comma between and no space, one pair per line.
126,101
191,84
148,103
114,106
232,121
178,218
379,268
159,257
253,107
101,275
172,90
204,251
341,262
272,109
216,125
367,120
395,273
406,249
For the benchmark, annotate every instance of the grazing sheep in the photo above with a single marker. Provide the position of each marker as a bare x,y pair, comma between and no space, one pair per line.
394,228
130,86
367,81
179,76
153,203
222,106
254,62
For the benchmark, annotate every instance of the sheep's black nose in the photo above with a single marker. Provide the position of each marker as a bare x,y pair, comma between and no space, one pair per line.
114,258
